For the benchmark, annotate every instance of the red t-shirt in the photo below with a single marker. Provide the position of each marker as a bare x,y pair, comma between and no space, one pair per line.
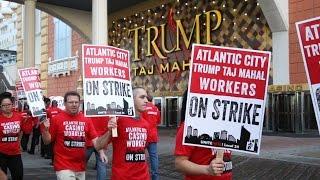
27,123
24,114
69,134
52,111
202,156
129,158
9,134
152,115
100,124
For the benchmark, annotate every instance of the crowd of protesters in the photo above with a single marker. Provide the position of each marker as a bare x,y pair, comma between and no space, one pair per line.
69,139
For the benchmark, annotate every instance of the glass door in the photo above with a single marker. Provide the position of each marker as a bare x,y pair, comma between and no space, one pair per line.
171,111
159,104
310,122
285,112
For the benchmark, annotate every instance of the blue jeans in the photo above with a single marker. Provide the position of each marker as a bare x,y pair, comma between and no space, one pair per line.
101,166
154,160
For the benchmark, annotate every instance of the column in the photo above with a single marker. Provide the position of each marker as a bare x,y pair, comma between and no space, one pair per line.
99,22
29,31
276,13
302,104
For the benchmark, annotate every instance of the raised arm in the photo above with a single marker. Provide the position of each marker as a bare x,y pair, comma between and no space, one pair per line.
100,142
46,136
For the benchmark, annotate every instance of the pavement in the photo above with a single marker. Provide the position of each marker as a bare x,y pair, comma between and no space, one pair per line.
281,157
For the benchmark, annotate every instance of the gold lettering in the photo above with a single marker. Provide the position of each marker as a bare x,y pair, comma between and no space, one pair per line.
135,70
271,88
163,40
142,71
150,71
164,68
154,45
136,41
299,87
208,23
185,65
175,67
278,88
290,88
180,30
192,36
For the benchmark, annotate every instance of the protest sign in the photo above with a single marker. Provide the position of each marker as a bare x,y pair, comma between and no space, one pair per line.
225,104
59,100
309,39
19,91
106,81
32,87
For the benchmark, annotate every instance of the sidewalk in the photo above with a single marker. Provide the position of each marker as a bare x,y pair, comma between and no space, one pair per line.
280,158
304,149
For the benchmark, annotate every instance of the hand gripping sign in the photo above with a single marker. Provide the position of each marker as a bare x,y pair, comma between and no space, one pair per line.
226,99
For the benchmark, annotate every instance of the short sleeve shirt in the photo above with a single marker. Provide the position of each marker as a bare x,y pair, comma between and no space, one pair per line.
69,134
9,134
129,158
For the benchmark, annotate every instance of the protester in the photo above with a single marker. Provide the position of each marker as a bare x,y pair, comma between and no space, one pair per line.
101,126
27,126
45,148
52,111
129,158
10,131
35,135
69,131
7,94
152,115
197,162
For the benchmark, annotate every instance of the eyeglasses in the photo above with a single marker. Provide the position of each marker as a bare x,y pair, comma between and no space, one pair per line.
6,105
73,102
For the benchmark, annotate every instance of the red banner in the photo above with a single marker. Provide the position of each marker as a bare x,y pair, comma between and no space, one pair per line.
309,39
30,79
228,71
309,34
19,86
105,62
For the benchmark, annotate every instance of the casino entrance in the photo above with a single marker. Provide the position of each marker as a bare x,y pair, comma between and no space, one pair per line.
170,108
290,112
285,112
172,111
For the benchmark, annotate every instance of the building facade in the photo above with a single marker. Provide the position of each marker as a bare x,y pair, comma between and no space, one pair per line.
159,35
8,46
159,38
289,105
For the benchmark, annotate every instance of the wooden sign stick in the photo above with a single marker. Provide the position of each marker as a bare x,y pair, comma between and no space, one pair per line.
220,153
114,130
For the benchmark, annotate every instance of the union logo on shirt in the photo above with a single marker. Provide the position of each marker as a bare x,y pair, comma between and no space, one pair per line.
135,156
11,127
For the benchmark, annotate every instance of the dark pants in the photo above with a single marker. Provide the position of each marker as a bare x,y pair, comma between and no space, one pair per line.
14,163
50,151
35,139
43,148
24,141
47,150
